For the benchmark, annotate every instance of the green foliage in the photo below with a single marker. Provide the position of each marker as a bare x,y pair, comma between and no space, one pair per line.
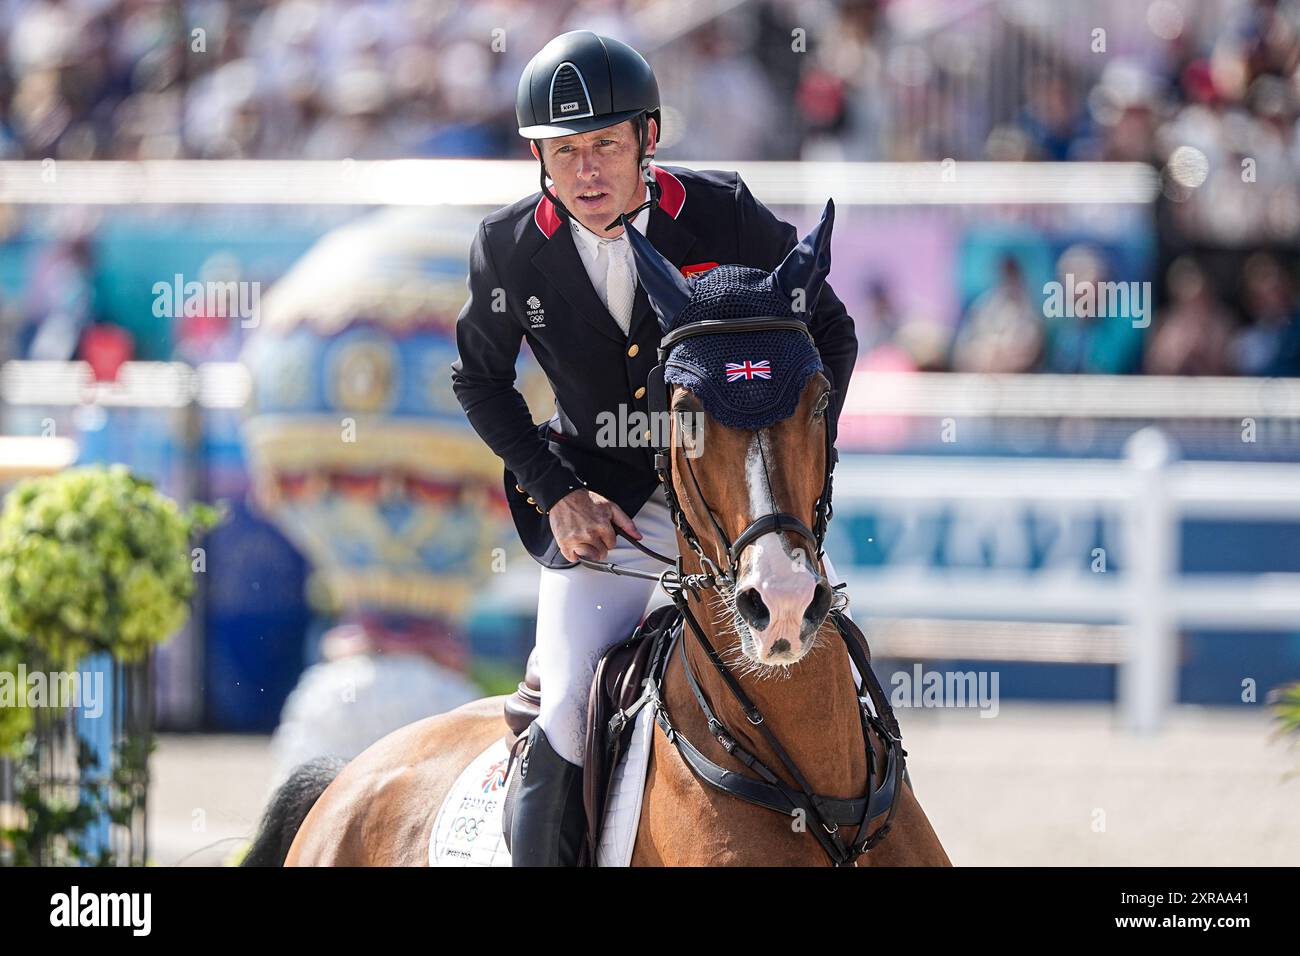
52,827
91,559
1286,709
15,721
94,558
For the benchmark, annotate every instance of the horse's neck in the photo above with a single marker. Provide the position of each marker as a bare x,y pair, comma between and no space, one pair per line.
811,708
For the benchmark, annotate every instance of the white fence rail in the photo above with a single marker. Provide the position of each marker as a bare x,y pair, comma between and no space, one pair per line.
477,182
1151,493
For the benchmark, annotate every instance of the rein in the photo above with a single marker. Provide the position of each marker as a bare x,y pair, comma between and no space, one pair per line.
826,814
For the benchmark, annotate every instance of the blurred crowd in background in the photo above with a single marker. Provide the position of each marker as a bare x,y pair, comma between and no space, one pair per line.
1207,91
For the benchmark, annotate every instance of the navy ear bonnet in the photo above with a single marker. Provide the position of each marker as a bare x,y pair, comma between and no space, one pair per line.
744,379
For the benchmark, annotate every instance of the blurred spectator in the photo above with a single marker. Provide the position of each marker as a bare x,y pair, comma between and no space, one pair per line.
1125,103
1102,344
204,337
105,346
1270,344
1194,336
1003,331
1053,121
60,301
879,321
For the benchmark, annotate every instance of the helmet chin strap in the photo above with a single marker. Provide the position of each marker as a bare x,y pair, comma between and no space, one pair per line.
643,129
560,208
650,203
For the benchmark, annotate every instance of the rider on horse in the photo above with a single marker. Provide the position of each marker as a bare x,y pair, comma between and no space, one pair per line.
556,269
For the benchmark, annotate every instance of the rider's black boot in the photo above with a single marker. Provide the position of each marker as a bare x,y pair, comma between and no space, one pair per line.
549,821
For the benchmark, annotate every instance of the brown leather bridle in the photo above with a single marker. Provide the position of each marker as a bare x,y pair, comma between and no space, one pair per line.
827,814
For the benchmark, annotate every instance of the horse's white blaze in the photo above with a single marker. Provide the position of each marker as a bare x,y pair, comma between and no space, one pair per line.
786,581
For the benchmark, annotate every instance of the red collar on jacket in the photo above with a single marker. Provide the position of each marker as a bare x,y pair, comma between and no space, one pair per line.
671,200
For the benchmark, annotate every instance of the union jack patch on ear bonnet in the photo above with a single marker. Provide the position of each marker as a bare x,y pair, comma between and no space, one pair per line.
747,370
744,379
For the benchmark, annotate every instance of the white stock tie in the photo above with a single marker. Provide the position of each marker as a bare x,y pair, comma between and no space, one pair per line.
620,283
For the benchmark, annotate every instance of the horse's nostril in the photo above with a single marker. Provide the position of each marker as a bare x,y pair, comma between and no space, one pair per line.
820,604
752,609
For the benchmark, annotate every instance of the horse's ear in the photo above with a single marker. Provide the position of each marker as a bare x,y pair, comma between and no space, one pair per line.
805,267
665,287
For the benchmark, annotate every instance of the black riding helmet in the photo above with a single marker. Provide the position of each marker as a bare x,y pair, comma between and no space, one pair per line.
580,82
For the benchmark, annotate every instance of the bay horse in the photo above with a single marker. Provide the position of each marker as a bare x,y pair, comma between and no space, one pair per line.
767,615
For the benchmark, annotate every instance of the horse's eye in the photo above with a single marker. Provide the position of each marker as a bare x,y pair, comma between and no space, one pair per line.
690,427
822,404
685,422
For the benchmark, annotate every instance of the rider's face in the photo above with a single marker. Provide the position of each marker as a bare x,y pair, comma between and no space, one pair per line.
596,174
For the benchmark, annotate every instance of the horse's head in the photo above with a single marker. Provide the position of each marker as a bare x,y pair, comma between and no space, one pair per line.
747,458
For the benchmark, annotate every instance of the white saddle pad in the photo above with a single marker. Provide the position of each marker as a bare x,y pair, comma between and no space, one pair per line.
467,830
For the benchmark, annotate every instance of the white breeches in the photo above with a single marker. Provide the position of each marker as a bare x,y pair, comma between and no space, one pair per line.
581,613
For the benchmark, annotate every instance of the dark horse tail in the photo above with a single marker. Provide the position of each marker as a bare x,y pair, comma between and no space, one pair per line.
289,806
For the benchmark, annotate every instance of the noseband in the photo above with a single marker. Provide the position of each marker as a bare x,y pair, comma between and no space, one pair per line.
826,814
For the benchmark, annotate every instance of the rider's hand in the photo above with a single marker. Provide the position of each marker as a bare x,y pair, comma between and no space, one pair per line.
583,523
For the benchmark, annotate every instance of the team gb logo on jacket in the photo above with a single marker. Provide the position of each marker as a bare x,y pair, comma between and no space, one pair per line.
536,314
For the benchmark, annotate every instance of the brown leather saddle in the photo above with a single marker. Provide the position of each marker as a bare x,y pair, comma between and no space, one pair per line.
617,685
